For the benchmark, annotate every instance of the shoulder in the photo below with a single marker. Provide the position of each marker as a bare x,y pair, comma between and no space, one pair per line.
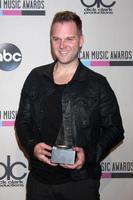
36,75
93,76
96,82
40,70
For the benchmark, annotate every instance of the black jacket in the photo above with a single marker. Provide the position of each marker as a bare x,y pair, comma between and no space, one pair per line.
90,112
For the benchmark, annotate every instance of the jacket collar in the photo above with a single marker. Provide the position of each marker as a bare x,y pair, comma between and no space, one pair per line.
81,73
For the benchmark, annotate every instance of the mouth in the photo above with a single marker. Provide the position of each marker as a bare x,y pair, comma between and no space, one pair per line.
64,53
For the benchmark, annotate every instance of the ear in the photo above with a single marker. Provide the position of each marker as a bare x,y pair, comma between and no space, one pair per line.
81,41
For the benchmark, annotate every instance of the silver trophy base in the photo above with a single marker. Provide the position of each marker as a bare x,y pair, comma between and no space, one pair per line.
63,155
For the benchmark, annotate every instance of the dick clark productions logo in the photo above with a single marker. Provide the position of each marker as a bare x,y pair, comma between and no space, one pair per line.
97,3
10,56
8,170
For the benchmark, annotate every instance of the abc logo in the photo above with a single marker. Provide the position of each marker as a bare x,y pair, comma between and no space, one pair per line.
10,57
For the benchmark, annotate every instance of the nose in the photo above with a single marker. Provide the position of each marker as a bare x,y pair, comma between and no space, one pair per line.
62,44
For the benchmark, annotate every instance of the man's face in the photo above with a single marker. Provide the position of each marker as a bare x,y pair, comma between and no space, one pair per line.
66,42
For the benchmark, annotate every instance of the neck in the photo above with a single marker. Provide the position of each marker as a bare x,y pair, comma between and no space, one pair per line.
66,68
63,73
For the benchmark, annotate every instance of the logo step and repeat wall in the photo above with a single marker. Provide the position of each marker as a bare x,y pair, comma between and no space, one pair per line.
108,49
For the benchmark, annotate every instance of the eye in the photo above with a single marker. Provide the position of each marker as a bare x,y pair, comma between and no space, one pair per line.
55,39
70,38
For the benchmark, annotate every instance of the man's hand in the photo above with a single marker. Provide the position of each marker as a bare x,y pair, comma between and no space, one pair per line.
42,153
80,159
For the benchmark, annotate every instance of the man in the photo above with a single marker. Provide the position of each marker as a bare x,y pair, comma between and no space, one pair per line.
69,94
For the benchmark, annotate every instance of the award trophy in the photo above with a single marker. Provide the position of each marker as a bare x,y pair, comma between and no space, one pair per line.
62,151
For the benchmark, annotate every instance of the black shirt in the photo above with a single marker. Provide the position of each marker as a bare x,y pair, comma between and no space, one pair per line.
52,122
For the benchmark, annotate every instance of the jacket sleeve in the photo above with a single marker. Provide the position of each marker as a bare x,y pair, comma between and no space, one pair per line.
24,122
112,131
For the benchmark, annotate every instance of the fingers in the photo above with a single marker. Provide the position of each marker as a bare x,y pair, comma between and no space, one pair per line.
76,165
42,149
46,160
66,166
42,152
80,159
